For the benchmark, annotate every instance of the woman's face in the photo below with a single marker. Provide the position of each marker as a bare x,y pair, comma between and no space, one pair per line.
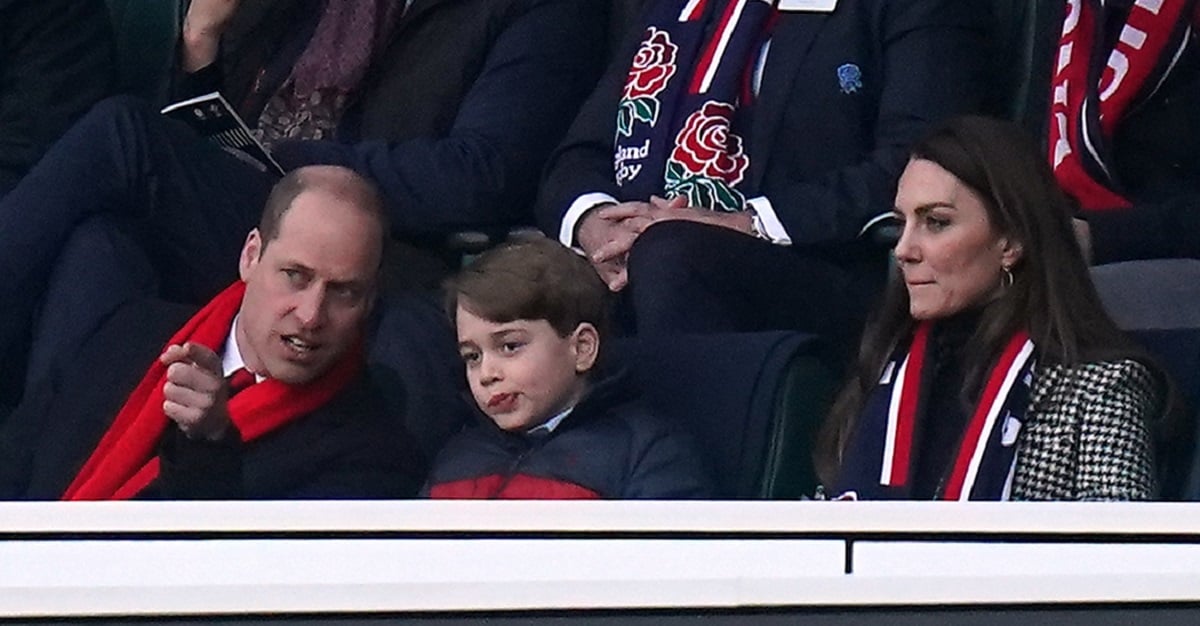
949,254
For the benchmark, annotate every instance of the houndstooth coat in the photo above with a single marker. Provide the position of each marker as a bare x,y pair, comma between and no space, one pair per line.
1087,436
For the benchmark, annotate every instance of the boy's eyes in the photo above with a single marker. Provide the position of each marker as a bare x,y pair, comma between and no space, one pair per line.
507,348
504,348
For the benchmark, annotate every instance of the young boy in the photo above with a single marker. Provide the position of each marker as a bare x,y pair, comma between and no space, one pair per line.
530,316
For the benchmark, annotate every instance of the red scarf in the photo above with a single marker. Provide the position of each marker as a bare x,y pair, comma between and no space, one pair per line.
126,459
1094,87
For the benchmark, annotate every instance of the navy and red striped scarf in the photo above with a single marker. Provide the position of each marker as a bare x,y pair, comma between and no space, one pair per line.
879,461
675,121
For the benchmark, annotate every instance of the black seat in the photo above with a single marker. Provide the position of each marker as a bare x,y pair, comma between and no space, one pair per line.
146,32
753,401
1158,302
1022,52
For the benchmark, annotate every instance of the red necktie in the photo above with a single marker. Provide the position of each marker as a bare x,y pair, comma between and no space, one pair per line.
239,380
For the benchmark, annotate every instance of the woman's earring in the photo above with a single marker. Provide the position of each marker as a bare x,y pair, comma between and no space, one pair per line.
1006,280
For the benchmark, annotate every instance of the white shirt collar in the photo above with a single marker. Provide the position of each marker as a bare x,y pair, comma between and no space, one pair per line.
231,356
549,425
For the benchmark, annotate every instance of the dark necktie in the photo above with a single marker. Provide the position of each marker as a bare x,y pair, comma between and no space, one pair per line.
239,380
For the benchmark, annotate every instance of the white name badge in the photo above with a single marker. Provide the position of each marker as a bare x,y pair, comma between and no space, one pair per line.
808,6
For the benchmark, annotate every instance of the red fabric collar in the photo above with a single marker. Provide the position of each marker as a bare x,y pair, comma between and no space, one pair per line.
126,459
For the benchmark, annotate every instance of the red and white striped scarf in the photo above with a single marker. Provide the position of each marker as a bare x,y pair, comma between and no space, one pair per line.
1094,87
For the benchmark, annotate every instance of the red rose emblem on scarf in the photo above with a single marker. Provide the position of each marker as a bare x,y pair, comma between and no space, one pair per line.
653,65
706,147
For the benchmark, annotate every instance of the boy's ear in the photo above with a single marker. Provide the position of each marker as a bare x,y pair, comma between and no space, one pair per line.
586,343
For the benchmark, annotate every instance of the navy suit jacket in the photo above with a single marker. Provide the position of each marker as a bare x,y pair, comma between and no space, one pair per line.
827,156
457,115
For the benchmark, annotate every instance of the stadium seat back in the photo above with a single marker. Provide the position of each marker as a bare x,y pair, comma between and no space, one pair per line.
753,401
146,32
1025,35
1158,302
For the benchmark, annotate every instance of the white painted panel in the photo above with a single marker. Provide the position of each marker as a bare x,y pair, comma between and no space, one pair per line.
323,575
915,559
418,561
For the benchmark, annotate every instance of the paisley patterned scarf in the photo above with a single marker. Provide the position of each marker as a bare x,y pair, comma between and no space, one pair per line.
349,36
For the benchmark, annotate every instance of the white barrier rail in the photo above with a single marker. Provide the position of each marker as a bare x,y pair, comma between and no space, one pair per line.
183,558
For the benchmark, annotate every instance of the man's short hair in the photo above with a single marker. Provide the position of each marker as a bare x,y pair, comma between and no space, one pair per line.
339,181
531,278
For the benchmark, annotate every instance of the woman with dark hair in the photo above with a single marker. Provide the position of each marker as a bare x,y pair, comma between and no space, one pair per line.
991,372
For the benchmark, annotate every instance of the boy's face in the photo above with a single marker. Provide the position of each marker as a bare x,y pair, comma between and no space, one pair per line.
522,373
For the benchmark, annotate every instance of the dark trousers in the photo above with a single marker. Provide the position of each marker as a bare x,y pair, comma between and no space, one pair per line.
183,202
99,268
686,277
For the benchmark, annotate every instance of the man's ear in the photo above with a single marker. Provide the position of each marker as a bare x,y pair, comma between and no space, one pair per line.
251,251
586,344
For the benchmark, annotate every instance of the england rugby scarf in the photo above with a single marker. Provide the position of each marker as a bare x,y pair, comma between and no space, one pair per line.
1094,87
675,134
879,460
126,459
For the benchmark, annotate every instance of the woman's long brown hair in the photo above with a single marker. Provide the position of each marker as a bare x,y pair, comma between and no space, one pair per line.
1052,295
